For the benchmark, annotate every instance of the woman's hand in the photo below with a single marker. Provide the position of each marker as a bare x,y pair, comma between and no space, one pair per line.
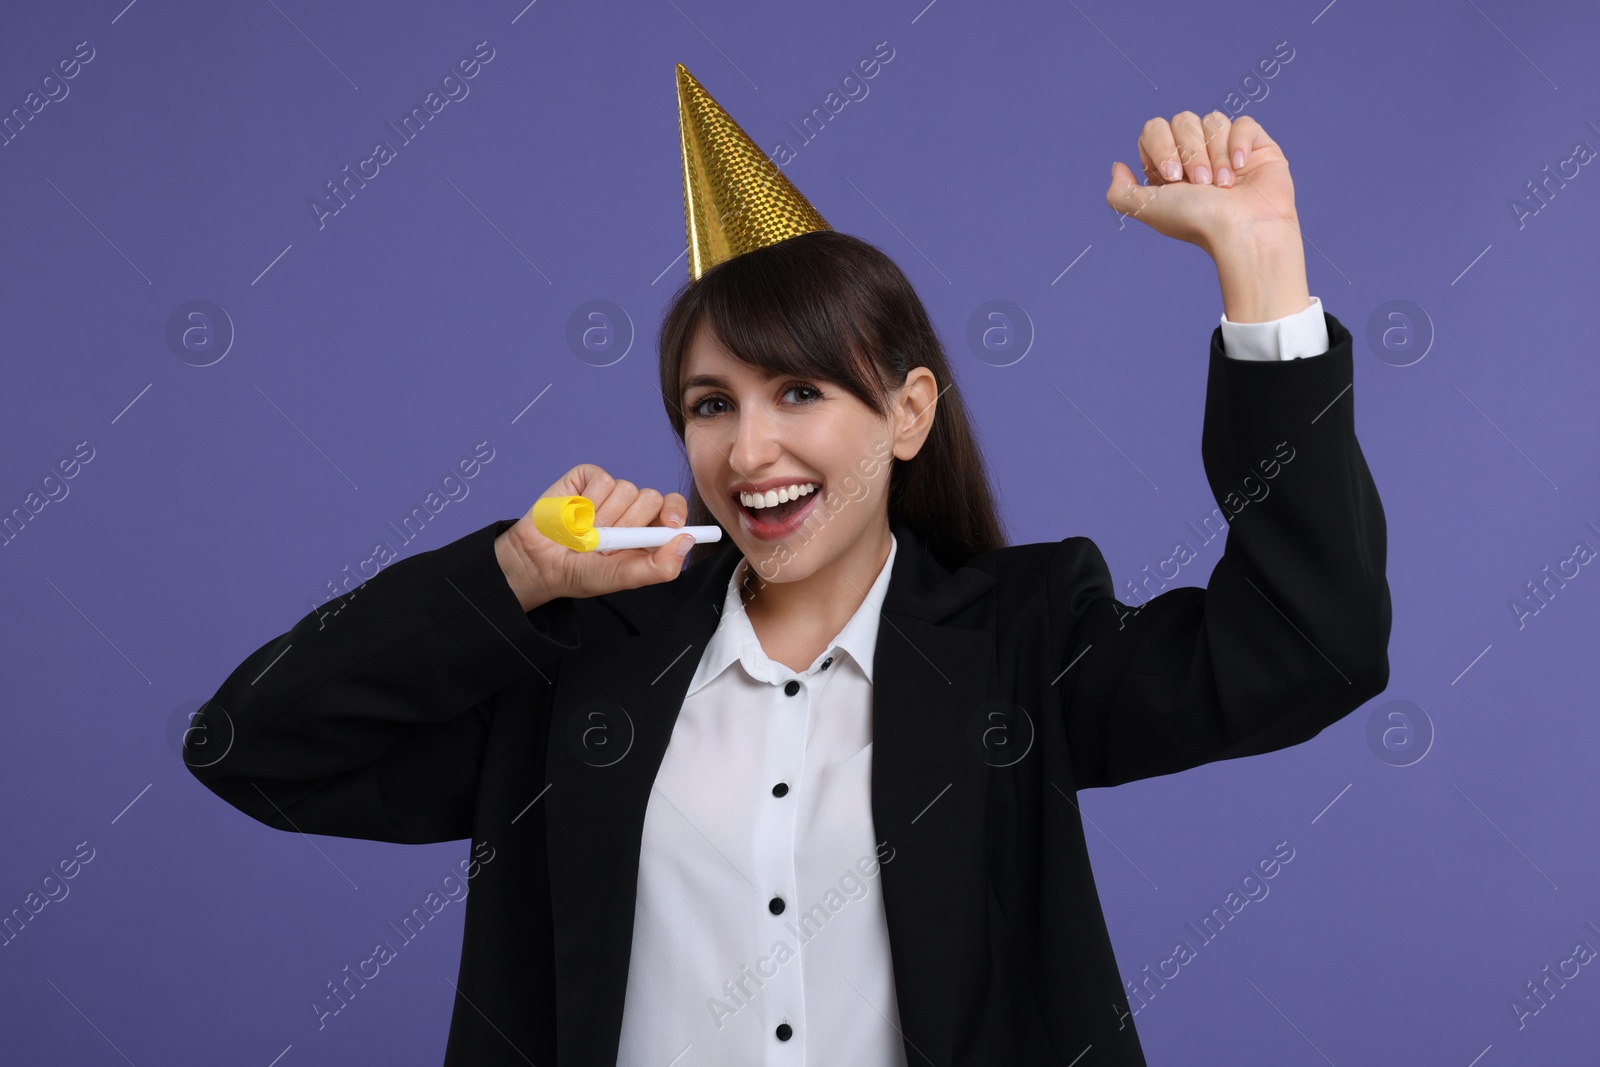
1211,197
1223,185
539,570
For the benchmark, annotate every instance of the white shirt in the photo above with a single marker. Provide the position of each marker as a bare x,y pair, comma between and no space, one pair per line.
719,848
715,972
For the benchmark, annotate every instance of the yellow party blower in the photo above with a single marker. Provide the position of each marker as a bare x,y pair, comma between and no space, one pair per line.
569,520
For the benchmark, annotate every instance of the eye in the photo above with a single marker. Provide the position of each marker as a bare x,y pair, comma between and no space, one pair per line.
792,386
695,408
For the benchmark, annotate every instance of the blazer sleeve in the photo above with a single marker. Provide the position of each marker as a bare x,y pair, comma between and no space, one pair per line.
371,722
1291,632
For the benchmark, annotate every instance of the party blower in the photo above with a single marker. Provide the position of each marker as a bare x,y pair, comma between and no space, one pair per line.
569,520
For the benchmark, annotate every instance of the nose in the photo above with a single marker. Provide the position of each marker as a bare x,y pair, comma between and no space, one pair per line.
755,444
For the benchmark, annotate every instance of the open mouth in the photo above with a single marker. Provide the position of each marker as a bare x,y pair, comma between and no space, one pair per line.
778,520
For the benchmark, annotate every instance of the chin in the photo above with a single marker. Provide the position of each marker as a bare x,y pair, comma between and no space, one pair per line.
790,560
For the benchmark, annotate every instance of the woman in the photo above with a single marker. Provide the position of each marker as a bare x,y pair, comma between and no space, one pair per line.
809,798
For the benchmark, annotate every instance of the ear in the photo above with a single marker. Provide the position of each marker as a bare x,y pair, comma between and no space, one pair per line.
913,409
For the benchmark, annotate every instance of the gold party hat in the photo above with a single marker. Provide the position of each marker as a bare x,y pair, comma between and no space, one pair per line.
735,199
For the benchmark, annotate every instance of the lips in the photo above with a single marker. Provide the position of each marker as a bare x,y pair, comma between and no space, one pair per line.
776,523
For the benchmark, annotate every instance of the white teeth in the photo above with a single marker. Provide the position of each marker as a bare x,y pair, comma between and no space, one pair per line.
773,497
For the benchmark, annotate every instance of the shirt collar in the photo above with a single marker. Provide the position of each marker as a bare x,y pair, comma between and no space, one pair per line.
735,641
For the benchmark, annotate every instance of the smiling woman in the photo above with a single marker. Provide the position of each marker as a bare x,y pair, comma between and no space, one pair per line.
680,759
823,328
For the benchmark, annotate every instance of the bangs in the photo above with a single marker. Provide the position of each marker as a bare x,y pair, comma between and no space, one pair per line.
802,319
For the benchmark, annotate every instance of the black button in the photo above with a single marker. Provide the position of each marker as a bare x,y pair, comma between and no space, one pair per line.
775,905
826,662
780,789
792,688
784,1032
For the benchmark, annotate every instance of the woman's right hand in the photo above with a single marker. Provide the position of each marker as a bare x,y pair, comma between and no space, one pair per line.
540,570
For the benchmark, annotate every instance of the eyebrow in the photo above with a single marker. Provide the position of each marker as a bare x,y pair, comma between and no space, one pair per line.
717,382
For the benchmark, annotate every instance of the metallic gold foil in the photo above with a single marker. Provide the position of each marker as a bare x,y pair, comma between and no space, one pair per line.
735,199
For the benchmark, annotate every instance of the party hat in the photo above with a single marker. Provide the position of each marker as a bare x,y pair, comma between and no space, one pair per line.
735,199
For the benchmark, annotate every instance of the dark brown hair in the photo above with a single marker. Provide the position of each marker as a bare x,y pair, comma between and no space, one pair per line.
831,307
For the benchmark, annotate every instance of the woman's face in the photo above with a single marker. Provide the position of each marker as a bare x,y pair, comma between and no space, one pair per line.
745,431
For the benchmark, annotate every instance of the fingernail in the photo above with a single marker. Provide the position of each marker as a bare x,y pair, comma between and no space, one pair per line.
1172,170
1238,158
684,545
1202,175
1224,176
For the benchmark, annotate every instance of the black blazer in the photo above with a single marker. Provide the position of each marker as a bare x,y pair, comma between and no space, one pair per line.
432,708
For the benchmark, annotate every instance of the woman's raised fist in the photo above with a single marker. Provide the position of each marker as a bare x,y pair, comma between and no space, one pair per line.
1210,181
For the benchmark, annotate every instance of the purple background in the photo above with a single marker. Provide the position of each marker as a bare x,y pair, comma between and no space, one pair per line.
373,353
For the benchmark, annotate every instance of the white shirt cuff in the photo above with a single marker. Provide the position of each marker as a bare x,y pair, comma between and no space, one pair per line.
1305,333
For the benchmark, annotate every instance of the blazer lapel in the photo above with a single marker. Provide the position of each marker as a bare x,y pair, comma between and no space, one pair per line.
930,681
613,712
